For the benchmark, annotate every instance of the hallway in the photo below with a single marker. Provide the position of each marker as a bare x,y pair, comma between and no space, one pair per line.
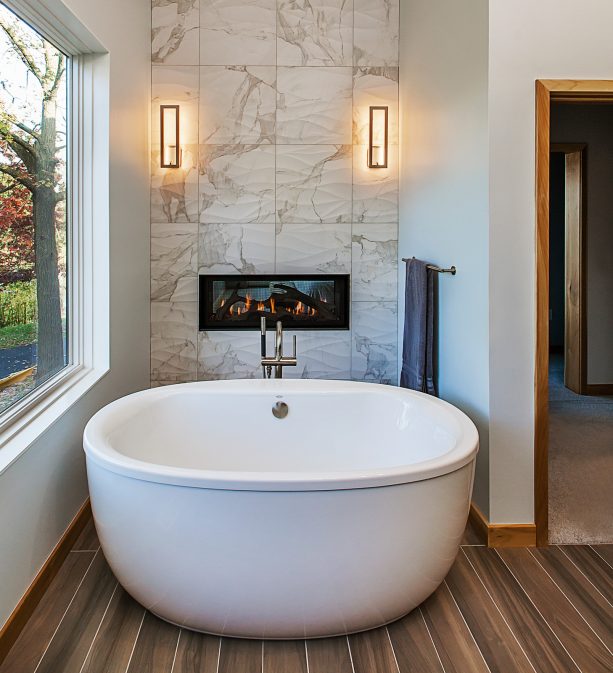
580,463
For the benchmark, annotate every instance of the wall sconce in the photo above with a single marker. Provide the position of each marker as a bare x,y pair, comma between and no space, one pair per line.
377,137
169,136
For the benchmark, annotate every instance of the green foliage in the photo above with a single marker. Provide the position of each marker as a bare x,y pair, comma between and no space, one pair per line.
17,335
18,303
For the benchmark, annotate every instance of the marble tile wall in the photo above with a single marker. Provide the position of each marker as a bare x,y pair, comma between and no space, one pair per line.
274,98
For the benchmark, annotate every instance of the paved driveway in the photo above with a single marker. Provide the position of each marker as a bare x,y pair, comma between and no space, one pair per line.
17,358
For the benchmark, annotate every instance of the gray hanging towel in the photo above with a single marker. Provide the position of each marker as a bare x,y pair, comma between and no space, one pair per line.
418,347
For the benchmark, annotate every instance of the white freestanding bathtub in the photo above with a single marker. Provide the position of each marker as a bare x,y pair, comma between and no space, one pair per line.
218,516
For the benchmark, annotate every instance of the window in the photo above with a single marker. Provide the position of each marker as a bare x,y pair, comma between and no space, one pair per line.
63,258
34,212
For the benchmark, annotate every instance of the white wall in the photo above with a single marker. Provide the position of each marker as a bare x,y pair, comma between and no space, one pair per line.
558,39
593,124
444,190
41,492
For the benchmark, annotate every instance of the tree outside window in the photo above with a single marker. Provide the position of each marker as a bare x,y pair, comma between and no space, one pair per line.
33,214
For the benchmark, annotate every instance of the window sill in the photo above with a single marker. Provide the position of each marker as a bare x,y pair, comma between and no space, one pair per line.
25,426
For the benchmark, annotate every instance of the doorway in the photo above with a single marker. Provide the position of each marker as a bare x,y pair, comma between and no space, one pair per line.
574,349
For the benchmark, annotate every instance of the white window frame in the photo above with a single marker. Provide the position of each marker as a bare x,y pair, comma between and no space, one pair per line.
88,229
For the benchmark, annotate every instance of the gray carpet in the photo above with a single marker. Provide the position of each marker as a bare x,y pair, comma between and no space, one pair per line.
580,465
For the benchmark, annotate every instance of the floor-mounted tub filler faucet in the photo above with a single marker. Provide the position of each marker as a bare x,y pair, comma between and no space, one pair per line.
278,361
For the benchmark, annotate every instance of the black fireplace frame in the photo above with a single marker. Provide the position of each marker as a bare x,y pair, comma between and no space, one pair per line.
342,290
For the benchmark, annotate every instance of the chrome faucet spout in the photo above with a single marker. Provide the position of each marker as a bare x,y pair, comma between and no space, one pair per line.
278,361
279,350
279,340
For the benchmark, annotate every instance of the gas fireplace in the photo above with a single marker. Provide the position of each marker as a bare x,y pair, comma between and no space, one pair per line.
299,301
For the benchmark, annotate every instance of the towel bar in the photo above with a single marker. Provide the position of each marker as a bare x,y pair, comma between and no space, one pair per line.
452,270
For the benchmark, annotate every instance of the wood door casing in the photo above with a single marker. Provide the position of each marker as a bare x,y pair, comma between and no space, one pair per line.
546,90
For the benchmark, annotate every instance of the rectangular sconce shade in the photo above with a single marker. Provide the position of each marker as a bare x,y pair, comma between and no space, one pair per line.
169,136
377,137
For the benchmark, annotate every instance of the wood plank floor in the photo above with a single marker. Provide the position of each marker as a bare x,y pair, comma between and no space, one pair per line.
498,611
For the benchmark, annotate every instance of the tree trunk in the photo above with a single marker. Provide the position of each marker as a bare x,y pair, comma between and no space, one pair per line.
50,356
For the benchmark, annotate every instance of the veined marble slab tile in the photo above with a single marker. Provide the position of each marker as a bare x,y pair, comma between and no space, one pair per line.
314,105
373,85
237,32
375,32
321,354
228,355
237,104
315,32
237,183
375,190
374,262
375,342
174,330
174,262
236,248
313,248
174,191
314,183
174,32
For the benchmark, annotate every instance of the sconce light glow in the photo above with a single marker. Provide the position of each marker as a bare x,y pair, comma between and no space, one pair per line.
377,137
169,136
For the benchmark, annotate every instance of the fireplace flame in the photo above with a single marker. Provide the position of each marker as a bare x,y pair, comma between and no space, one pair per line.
261,306
272,304
248,302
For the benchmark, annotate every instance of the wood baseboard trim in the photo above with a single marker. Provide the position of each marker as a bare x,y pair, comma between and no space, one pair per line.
502,534
479,522
26,606
598,389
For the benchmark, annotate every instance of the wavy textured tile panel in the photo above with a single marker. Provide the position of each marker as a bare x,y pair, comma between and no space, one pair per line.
375,32
256,79
174,32
237,183
375,342
315,32
172,85
236,248
324,354
237,32
375,190
228,355
174,191
374,262
313,248
174,330
374,86
313,183
237,104
314,105
174,262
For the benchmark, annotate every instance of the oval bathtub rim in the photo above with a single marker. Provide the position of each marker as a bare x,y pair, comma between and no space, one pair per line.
100,451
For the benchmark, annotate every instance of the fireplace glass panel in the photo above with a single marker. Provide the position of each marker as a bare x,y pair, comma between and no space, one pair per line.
299,301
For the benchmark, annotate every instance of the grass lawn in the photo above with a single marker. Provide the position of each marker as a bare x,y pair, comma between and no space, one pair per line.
17,335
